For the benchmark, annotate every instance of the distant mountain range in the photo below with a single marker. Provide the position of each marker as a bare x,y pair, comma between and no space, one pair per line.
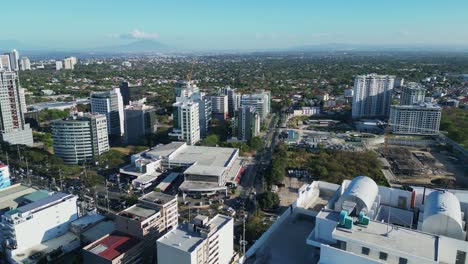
140,46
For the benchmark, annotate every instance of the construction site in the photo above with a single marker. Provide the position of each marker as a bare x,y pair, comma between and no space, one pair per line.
424,166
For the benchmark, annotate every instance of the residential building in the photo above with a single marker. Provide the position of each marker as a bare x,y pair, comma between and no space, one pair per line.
219,106
69,63
42,220
186,121
305,111
110,104
140,120
12,104
418,119
131,92
399,82
4,176
372,95
114,248
201,241
25,64
412,93
261,102
205,169
348,93
80,138
153,216
58,65
5,64
358,221
233,99
204,111
450,103
14,60
246,123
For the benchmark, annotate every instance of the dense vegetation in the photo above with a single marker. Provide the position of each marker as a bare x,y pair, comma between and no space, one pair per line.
455,122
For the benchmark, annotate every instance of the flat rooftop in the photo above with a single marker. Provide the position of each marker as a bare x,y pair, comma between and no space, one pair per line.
165,150
182,239
157,197
138,211
208,156
205,170
12,196
396,238
113,245
101,229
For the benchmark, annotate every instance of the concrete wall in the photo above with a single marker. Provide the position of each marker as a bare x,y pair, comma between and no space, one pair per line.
226,243
448,248
331,255
169,255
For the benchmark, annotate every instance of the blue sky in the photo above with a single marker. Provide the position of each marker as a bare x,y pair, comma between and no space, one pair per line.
242,24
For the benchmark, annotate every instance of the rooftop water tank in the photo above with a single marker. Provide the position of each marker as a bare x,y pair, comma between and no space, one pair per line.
358,196
442,215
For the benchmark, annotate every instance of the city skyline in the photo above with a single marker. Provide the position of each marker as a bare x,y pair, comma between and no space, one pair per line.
212,25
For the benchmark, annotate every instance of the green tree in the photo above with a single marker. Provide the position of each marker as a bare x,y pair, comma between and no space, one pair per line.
256,143
268,200
211,141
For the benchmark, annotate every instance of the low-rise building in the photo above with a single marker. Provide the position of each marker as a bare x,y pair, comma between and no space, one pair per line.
115,248
4,176
40,221
201,241
154,215
206,169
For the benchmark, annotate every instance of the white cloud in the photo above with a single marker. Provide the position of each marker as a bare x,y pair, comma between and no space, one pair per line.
136,34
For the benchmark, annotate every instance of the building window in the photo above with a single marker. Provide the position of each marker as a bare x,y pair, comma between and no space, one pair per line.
383,256
341,245
365,251
402,261
461,257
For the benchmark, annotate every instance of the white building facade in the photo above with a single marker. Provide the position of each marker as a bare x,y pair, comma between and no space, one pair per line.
111,104
80,138
412,93
186,121
372,95
418,119
201,241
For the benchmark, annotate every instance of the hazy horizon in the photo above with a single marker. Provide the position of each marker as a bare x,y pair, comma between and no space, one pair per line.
217,25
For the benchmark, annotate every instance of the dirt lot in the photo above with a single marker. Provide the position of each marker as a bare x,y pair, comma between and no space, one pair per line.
422,167
289,193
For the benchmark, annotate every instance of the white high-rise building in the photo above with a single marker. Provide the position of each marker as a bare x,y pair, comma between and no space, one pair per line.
110,103
186,121
412,93
260,101
418,119
80,138
201,241
14,60
58,65
233,99
219,106
204,111
12,106
69,63
5,62
372,95
246,123
25,64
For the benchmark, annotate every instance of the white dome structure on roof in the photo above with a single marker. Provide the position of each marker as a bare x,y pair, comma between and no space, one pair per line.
358,196
442,215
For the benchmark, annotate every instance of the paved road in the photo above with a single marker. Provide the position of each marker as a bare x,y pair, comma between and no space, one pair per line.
261,161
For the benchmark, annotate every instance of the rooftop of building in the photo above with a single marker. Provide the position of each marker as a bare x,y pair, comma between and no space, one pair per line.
46,247
99,230
12,196
179,152
392,237
204,170
423,105
138,212
52,198
184,239
157,198
113,245
87,220
200,186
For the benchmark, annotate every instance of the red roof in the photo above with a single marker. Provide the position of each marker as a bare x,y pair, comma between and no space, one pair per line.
116,244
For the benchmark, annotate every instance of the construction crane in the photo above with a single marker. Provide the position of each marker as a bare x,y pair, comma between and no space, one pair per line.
189,75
